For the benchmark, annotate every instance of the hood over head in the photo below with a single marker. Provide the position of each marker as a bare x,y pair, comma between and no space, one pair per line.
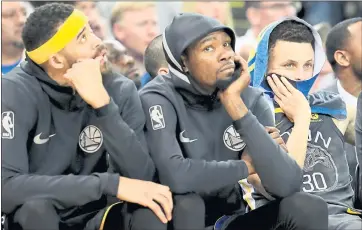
258,65
184,30
258,59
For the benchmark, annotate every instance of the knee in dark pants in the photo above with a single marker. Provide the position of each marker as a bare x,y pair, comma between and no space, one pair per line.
145,219
37,215
303,211
188,212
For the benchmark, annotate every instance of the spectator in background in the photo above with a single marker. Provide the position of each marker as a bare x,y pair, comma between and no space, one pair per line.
134,24
13,16
89,8
121,61
259,15
344,52
96,22
155,60
323,11
218,10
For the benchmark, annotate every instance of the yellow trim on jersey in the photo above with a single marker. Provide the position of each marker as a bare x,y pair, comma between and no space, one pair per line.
106,213
66,33
278,110
353,212
248,190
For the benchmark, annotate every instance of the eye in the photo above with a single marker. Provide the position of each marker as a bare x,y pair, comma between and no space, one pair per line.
308,65
289,65
208,49
83,38
227,44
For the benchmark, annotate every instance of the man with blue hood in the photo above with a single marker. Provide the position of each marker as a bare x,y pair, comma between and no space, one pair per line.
286,62
205,128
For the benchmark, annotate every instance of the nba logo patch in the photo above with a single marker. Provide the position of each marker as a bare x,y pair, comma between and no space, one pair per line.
232,139
90,139
7,125
157,119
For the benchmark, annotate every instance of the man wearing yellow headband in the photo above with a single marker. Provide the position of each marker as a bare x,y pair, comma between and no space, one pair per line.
69,131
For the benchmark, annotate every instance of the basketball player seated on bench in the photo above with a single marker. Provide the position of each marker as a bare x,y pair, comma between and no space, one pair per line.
65,118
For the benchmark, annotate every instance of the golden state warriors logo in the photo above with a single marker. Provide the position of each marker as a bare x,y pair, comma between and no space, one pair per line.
320,170
90,139
315,117
232,139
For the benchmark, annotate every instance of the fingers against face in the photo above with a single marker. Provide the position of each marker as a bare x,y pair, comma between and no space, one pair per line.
281,87
287,84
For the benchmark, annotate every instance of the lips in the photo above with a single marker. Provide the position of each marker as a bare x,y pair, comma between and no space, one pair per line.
227,67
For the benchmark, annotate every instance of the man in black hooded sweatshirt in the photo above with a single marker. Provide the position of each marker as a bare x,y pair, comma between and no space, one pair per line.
205,131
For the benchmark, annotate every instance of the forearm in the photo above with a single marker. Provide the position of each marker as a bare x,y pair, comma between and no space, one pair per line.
279,173
298,141
128,156
66,190
200,176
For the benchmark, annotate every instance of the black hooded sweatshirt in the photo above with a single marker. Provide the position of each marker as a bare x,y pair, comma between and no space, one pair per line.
193,141
56,147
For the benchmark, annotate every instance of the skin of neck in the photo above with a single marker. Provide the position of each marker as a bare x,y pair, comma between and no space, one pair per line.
11,54
350,82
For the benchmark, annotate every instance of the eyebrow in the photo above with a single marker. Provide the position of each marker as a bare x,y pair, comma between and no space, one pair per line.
208,38
290,60
80,33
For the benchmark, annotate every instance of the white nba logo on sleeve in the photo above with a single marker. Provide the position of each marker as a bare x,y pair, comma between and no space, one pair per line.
7,125
157,119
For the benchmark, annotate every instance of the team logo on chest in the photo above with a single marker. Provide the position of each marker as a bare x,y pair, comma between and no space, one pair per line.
90,139
232,139
320,170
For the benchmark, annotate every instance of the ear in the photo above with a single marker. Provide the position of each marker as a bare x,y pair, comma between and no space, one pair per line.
118,32
184,63
342,58
56,61
162,71
253,16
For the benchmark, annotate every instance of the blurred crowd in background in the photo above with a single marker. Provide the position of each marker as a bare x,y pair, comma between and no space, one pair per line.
128,27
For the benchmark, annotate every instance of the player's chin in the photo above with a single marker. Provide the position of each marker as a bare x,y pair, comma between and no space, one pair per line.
224,76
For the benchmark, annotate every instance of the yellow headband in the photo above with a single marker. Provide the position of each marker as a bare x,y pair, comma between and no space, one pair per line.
67,32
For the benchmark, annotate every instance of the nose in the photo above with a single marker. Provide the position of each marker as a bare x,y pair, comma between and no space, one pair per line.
152,30
97,41
303,75
226,55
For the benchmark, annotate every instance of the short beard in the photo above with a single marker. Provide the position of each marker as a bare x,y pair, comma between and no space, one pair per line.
357,72
106,68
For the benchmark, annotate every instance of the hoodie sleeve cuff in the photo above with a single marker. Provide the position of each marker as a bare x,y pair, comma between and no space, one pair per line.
111,187
110,108
244,122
